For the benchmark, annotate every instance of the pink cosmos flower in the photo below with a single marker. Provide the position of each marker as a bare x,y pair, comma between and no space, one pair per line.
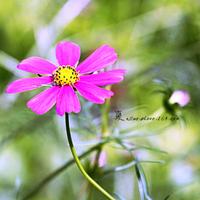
181,97
67,77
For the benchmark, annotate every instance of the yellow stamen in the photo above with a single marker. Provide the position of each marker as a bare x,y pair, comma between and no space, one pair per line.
65,75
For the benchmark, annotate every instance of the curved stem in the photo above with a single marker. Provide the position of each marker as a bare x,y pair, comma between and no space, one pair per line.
76,158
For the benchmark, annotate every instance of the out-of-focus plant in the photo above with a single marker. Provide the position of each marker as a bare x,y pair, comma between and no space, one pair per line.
158,42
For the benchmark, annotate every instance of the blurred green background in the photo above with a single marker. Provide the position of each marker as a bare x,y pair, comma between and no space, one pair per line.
158,42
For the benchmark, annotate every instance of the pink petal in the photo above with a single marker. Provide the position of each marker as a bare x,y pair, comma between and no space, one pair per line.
180,97
44,101
105,78
37,65
26,84
92,92
102,159
67,53
67,101
100,58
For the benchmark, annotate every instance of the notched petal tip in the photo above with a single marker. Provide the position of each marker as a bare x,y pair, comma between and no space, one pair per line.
66,42
92,92
67,53
32,109
36,65
9,89
59,113
77,111
122,71
26,84
104,78
110,50
67,101
44,101
111,93
100,58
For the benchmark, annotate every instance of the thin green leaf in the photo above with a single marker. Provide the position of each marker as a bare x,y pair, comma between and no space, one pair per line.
118,197
167,197
129,165
142,183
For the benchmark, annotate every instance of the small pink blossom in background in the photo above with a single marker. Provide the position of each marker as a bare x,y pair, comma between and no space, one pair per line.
102,159
68,77
180,97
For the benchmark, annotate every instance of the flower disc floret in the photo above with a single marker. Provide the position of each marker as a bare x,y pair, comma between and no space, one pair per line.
65,75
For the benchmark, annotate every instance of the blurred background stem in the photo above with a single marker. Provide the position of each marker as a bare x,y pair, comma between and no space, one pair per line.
104,133
105,116
59,170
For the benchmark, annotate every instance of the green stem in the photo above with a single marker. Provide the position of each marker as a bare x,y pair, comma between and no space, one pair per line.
73,150
105,116
104,129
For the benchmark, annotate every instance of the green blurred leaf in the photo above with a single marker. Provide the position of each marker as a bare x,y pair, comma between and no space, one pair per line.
142,183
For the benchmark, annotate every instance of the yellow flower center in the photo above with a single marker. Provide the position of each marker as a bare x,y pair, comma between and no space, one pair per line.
65,75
